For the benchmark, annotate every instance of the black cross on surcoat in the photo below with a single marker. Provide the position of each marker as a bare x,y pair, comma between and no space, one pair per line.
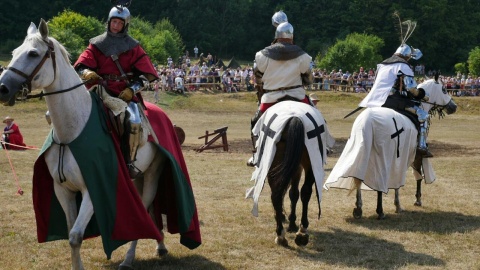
268,132
316,132
397,134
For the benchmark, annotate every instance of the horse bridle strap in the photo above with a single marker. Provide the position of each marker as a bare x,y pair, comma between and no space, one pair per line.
49,53
43,94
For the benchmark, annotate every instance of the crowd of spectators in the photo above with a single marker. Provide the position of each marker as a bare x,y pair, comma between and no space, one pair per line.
195,75
360,81
202,73
462,85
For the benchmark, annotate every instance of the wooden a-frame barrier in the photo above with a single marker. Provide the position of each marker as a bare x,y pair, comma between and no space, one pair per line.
220,133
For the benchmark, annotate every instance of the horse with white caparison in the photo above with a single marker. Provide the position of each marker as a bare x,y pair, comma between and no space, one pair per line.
292,139
81,176
382,147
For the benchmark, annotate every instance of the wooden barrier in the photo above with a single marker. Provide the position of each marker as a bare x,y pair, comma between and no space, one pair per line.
220,133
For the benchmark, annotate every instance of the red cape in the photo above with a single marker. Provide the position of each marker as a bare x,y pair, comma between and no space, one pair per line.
174,195
119,217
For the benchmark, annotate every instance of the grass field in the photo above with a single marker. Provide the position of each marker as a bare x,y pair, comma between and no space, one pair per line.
442,234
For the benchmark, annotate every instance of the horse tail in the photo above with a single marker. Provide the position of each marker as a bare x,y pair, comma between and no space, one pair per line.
294,144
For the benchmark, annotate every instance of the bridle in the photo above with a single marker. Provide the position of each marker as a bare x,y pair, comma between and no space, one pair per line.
436,108
27,85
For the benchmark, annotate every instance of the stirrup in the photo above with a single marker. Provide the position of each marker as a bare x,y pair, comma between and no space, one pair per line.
424,153
133,171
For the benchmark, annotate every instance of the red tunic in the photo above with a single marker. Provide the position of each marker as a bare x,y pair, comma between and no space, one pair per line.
103,65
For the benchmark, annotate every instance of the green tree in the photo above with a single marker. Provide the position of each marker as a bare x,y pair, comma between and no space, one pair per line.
74,30
460,68
160,41
474,61
172,38
354,51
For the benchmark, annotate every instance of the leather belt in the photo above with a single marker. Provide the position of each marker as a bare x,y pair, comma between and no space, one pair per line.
113,77
282,88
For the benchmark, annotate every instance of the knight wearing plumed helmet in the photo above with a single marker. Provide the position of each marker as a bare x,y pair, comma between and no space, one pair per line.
395,86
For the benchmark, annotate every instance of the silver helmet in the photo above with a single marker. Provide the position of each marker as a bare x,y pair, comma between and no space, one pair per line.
408,52
278,18
284,30
121,13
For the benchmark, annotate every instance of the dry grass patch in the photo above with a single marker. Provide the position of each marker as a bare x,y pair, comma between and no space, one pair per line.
443,234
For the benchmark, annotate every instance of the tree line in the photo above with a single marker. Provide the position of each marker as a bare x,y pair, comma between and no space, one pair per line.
446,29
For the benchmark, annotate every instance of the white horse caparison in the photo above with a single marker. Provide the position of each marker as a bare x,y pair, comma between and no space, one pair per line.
67,122
355,169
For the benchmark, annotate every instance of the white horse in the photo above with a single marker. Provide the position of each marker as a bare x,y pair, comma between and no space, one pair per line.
382,146
42,63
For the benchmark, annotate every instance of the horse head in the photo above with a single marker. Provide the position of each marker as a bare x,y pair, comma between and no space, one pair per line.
438,99
25,71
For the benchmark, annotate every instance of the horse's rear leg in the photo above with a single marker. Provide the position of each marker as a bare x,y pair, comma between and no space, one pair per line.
302,236
398,207
418,194
380,213
357,211
277,201
147,186
294,195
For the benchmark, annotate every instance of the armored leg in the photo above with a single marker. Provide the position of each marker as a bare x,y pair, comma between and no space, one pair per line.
422,147
251,161
134,136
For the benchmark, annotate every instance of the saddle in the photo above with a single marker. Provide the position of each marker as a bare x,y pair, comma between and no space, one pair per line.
118,117
400,104
287,97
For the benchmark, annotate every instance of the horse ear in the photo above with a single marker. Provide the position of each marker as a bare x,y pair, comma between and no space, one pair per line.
437,74
43,28
32,29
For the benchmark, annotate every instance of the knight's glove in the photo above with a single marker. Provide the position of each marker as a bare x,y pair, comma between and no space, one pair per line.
89,75
126,95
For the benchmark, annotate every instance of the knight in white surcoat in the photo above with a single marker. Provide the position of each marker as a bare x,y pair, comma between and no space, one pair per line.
395,87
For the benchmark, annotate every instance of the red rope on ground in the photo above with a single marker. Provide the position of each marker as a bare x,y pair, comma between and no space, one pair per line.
19,190
20,146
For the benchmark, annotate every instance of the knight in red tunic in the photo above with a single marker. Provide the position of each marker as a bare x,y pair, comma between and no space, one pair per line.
121,65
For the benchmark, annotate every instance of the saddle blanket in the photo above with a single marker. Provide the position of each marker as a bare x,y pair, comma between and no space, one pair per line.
379,151
269,129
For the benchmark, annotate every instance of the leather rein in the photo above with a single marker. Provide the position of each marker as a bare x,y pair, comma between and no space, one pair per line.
27,85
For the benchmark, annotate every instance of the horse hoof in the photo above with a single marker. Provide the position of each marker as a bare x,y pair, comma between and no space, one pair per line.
281,242
301,239
125,267
381,217
417,203
292,228
162,252
399,210
357,213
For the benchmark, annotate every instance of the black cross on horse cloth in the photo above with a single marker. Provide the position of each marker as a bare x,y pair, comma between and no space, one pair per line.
269,129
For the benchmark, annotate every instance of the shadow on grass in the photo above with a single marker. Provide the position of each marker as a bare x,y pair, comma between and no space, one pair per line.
424,222
171,262
346,248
